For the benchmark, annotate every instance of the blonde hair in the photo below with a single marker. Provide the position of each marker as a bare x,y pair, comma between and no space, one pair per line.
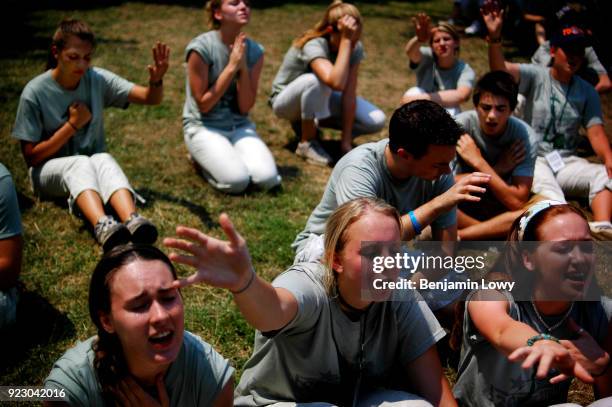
211,7
335,11
446,28
337,225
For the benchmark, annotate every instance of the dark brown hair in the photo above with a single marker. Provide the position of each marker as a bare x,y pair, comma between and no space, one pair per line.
65,29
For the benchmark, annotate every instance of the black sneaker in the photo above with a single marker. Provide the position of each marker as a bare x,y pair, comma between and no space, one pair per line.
110,233
142,229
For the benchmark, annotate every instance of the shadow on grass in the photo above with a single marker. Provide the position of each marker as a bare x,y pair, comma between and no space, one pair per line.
198,210
38,324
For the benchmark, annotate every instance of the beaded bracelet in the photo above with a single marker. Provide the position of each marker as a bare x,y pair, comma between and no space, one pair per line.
541,337
418,228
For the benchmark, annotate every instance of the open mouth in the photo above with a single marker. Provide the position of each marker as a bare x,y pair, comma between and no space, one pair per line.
578,276
161,339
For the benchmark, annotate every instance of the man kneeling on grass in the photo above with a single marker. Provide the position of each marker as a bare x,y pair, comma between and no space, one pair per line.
499,145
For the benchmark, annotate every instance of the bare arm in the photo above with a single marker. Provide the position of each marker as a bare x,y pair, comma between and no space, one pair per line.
461,191
154,93
37,153
512,196
422,30
493,18
336,75
603,383
349,102
197,71
226,396
604,85
248,82
10,261
227,264
599,141
446,98
426,376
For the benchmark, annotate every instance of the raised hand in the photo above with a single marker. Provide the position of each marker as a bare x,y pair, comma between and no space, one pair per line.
469,151
161,60
585,350
131,394
219,263
79,114
237,58
422,27
348,27
510,158
492,14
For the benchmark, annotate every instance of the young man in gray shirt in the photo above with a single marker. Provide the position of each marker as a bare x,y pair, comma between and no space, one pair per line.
500,145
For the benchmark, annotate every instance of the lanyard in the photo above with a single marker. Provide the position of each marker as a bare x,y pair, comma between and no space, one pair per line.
553,116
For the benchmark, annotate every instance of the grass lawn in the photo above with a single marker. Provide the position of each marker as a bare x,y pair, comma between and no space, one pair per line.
60,251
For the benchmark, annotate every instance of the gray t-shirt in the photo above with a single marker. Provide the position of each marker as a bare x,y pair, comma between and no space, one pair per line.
43,108
225,114
195,378
486,378
363,172
542,57
10,216
297,62
491,148
555,111
432,78
315,357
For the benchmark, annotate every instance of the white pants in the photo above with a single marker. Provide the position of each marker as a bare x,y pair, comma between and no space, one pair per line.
414,91
378,398
579,178
307,98
231,159
69,176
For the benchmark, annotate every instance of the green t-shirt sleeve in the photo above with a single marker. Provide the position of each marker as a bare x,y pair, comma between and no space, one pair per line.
447,219
418,328
254,52
528,77
353,182
10,216
315,48
526,167
28,121
467,76
201,47
357,55
115,89
591,114
309,295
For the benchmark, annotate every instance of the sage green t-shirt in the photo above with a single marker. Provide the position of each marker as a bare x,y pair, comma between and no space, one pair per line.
195,378
315,358
225,114
297,61
432,78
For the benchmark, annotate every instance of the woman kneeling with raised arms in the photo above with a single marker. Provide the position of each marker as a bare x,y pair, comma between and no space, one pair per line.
141,355
545,323
318,341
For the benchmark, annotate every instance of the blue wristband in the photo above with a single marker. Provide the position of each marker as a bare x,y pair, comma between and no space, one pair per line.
418,228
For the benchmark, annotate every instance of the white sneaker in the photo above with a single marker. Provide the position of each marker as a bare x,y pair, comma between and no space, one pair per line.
474,29
601,230
313,152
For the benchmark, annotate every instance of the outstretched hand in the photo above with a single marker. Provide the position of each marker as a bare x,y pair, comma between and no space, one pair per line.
161,60
548,355
422,27
463,190
493,16
219,263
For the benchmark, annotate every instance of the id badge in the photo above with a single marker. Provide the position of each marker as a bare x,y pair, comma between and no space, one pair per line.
555,162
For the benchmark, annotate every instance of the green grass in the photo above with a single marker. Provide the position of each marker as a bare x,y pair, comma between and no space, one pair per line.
60,252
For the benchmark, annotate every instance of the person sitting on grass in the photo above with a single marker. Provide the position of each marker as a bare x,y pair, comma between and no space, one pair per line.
558,104
11,246
500,145
60,125
141,355
522,349
318,340
316,85
441,76
223,70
